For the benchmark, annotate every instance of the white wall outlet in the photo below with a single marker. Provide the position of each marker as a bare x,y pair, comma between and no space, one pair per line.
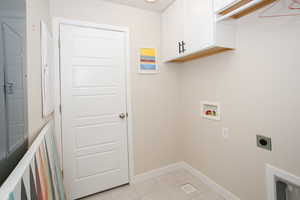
225,132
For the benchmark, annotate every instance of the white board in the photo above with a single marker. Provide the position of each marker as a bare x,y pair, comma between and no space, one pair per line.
47,70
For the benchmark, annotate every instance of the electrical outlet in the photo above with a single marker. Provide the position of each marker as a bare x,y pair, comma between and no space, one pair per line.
264,142
225,132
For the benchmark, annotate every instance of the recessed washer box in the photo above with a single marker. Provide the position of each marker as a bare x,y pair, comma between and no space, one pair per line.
210,110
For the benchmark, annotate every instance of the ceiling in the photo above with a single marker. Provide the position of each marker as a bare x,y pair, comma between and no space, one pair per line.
158,6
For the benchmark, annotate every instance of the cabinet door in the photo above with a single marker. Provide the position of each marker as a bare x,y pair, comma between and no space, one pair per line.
199,25
172,30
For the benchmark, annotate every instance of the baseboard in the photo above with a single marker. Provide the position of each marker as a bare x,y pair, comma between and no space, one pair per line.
183,165
213,185
157,172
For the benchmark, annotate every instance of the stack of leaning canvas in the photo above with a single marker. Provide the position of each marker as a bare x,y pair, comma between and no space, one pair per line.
38,175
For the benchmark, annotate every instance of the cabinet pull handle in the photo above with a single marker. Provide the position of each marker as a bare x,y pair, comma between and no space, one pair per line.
179,46
183,48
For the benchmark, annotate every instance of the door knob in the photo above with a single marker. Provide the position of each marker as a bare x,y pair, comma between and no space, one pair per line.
122,115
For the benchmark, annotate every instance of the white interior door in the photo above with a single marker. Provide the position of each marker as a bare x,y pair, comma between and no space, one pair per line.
93,97
12,35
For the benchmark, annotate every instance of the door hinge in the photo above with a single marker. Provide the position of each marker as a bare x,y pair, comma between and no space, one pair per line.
127,115
60,108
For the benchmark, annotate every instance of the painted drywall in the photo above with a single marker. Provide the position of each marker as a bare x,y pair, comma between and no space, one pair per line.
154,97
37,10
258,87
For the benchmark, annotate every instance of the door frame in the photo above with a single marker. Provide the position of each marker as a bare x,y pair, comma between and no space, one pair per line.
57,81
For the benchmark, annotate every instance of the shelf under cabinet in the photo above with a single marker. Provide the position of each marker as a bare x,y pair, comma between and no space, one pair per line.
204,53
246,11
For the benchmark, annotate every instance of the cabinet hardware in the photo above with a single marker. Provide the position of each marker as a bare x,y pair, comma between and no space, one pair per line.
179,46
183,46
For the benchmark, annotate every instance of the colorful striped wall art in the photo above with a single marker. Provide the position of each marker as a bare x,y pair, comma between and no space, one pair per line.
148,60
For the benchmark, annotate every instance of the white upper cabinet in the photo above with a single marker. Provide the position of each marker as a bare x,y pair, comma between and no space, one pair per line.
172,30
189,30
199,20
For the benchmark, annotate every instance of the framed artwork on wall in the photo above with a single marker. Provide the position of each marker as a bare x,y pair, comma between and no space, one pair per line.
148,61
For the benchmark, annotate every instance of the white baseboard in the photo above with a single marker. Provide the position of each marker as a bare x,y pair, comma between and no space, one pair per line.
158,172
183,165
212,184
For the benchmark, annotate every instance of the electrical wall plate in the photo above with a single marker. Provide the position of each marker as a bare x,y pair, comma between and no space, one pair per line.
264,142
210,110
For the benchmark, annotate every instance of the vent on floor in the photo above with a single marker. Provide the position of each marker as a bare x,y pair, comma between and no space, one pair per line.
188,188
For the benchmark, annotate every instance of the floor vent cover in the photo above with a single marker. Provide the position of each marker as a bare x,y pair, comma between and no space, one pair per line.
188,188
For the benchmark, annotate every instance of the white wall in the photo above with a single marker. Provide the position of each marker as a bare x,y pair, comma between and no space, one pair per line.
258,87
154,97
37,10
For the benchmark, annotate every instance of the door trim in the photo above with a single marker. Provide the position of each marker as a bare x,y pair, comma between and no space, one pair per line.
57,115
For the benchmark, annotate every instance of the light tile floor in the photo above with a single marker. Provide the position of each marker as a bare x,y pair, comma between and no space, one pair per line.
165,187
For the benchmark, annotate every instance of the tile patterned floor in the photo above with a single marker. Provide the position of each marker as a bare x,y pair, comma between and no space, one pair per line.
165,187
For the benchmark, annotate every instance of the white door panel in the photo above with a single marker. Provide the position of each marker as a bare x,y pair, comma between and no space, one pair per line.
93,92
106,161
89,135
86,105
12,34
94,62
95,76
108,180
96,48
97,149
